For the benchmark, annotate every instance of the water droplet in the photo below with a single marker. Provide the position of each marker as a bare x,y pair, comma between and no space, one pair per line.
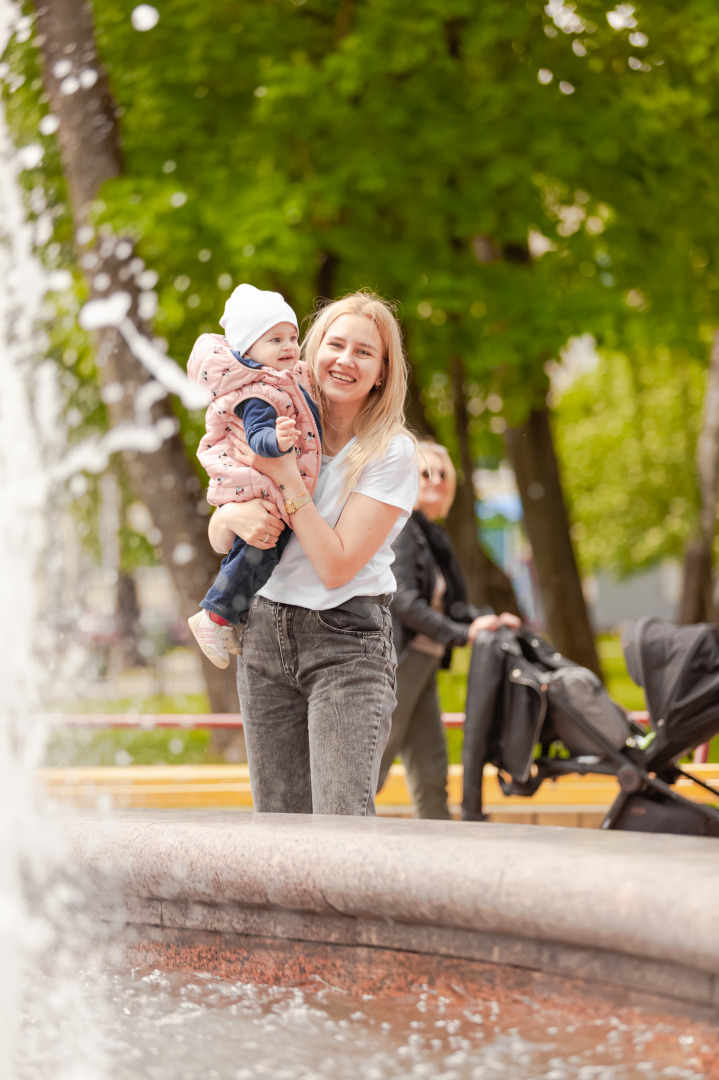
62,68
147,279
49,124
183,553
30,156
144,17
70,85
101,282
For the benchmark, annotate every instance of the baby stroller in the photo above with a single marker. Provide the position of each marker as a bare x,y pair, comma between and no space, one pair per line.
537,715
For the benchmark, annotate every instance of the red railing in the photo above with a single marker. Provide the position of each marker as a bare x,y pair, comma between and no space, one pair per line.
192,721
200,720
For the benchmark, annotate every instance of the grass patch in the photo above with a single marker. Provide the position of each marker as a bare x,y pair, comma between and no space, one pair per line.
620,685
452,689
134,746
176,746
120,746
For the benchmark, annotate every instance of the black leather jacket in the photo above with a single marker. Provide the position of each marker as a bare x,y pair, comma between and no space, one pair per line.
419,549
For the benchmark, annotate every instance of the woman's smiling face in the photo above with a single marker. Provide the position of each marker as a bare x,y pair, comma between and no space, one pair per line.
350,360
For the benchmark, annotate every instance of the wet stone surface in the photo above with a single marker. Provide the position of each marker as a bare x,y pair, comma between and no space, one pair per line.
186,1027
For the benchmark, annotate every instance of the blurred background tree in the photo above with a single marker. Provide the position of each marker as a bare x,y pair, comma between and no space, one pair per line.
514,176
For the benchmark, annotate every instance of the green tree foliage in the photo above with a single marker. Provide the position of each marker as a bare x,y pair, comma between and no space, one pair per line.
433,152
627,433
362,139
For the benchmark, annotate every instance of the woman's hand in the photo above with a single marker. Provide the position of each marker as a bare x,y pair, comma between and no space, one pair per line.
283,470
492,622
257,522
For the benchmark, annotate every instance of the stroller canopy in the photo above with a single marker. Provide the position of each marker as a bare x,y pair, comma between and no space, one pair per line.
678,667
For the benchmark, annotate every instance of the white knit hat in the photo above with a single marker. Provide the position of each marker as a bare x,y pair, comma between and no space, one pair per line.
250,312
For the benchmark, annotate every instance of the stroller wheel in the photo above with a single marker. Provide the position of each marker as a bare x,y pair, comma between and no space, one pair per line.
629,779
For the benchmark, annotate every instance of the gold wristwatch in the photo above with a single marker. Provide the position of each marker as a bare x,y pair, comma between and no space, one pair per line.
293,504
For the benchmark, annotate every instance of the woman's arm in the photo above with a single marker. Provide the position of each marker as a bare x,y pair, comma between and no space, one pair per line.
418,615
252,521
410,607
338,554
335,554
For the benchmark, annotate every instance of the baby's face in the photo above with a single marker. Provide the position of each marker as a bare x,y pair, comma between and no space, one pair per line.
278,348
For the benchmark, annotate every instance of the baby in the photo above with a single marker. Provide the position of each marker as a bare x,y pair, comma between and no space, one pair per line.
254,373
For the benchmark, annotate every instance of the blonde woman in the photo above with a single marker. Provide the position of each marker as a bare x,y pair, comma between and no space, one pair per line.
317,671
431,615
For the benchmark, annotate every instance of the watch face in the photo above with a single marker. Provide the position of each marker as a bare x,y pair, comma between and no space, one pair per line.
296,502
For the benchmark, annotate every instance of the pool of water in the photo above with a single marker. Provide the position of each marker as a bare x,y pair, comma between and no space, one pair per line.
162,1026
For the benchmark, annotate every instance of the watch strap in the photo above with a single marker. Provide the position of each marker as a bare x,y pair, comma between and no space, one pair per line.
293,504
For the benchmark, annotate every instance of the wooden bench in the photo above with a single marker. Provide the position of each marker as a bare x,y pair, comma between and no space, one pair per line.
570,801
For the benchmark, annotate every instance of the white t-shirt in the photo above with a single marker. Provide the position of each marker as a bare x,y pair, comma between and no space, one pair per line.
392,480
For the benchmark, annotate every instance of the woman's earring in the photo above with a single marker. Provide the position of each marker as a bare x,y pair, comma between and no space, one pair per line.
377,385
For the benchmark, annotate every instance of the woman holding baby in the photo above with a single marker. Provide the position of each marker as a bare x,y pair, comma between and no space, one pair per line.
316,675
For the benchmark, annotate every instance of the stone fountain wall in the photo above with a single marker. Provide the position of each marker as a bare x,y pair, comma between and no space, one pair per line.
378,904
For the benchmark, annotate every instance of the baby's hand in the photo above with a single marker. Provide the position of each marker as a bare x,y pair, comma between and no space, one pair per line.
287,433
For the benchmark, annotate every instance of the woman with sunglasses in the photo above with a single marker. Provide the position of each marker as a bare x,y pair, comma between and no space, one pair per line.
430,616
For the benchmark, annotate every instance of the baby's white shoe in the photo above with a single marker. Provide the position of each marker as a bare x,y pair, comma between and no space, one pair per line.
208,638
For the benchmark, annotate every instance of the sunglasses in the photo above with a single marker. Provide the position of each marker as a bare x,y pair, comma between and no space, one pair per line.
427,475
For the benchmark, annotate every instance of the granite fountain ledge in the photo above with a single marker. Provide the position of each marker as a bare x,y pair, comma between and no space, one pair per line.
628,911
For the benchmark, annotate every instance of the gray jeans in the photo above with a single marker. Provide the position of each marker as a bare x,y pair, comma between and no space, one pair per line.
418,736
317,694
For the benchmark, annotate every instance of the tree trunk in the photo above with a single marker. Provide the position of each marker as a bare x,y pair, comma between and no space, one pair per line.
531,451
128,623
326,276
414,411
90,146
487,584
414,408
698,604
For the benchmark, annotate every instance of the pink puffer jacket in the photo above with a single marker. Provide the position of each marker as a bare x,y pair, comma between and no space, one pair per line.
213,366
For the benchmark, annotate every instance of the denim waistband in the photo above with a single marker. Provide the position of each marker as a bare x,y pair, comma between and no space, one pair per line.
355,604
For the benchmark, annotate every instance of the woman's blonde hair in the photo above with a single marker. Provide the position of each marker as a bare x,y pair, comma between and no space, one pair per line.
382,417
450,473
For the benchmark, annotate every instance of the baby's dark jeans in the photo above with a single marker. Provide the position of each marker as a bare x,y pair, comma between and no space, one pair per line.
243,571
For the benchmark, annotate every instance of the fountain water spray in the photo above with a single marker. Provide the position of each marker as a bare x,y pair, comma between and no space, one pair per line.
22,537
35,465
31,436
